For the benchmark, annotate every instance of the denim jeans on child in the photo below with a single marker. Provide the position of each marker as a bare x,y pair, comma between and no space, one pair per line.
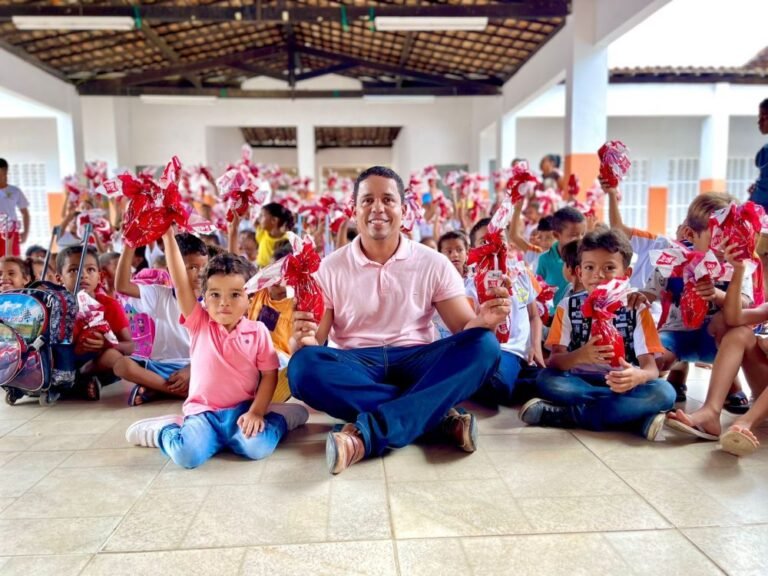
594,406
394,394
203,435
514,382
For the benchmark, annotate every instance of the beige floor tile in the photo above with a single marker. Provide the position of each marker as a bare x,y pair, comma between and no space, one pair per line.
222,469
682,504
27,469
27,537
44,565
59,427
665,552
503,420
114,435
545,475
430,556
332,559
530,438
430,463
65,442
5,502
551,554
24,409
305,462
358,510
590,514
138,457
462,508
737,550
82,492
158,521
222,562
7,426
6,457
264,514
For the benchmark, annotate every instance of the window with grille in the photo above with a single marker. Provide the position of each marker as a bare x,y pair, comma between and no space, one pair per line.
31,178
634,195
741,174
683,188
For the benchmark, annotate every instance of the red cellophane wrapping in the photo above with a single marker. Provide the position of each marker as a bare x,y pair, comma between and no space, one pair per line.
153,206
297,272
614,162
601,306
738,225
490,259
543,298
90,321
521,183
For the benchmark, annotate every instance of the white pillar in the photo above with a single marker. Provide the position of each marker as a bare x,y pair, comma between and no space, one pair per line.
487,151
305,148
506,140
713,155
586,94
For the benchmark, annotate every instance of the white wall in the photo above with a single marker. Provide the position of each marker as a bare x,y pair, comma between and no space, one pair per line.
352,157
24,140
224,143
437,133
744,139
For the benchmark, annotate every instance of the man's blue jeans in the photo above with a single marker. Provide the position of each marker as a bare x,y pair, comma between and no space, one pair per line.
594,406
205,434
394,394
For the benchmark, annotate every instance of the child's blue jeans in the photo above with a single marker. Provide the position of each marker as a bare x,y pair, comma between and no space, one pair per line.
594,406
203,435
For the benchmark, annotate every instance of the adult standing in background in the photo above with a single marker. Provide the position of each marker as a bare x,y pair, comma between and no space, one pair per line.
12,198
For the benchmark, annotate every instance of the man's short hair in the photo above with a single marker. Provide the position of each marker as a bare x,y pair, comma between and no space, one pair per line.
611,241
3,164
545,224
565,216
384,172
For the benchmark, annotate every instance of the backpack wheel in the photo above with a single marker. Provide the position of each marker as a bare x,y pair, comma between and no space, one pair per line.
11,396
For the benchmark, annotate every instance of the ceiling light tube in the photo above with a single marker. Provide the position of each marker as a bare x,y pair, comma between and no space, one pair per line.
430,24
73,22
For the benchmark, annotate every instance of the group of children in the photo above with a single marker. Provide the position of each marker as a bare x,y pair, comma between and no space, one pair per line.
224,352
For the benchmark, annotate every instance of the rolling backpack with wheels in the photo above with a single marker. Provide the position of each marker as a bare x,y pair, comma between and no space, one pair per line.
37,323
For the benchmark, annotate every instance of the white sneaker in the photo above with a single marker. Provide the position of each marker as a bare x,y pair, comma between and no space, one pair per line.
295,414
146,432
655,430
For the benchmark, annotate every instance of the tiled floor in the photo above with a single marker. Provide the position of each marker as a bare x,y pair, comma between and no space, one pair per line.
76,499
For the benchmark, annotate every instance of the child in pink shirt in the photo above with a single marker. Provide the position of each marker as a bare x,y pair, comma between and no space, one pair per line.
233,372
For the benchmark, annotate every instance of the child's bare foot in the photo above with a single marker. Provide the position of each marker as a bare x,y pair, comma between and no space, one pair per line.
703,420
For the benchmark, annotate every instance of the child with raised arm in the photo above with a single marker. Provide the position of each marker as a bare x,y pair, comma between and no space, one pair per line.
233,372
739,348
580,388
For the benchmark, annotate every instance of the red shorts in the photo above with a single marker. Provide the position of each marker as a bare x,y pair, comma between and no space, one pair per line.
15,245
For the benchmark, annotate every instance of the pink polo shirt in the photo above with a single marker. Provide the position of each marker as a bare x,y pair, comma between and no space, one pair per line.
388,304
225,365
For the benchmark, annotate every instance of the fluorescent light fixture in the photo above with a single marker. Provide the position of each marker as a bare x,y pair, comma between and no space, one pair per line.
73,22
430,24
398,99
178,100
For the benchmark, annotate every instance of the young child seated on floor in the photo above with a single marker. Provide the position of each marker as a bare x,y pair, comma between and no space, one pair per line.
680,342
14,273
97,356
740,348
454,245
580,388
166,371
234,372
571,268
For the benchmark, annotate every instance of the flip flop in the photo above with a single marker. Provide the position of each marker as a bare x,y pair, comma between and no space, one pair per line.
689,430
737,443
142,393
736,403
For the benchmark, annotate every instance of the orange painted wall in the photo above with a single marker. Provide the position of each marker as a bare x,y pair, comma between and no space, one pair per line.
657,209
712,185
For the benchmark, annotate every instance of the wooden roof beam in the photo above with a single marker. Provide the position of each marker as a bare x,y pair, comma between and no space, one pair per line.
258,12
340,67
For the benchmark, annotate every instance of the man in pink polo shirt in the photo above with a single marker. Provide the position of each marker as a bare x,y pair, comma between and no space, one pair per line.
387,378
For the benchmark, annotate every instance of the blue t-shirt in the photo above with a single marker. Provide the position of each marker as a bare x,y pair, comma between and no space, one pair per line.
760,195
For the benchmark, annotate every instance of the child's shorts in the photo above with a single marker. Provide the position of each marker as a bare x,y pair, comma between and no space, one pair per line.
164,369
690,345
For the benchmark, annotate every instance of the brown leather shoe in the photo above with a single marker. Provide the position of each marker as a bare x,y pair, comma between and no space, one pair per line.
461,429
344,448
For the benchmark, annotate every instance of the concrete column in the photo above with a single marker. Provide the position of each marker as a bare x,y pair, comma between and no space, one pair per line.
713,155
506,140
305,145
586,88
487,151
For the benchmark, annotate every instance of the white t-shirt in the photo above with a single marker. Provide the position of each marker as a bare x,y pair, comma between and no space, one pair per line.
171,339
11,198
519,323
642,243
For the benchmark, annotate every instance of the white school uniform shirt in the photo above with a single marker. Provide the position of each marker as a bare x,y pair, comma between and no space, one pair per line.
171,338
11,198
